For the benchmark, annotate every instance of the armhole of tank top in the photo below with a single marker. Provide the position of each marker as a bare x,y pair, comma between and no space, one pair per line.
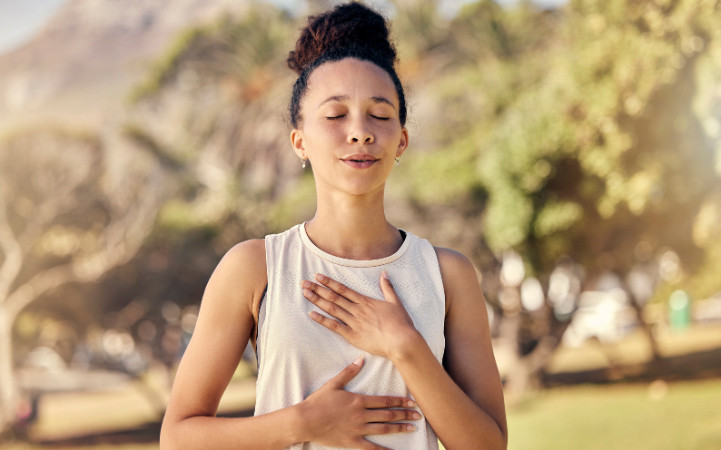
440,277
261,315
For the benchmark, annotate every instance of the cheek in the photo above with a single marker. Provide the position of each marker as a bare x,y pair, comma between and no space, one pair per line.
319,133
392,134
314,142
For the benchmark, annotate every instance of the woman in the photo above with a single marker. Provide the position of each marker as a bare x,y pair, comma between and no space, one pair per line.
367,336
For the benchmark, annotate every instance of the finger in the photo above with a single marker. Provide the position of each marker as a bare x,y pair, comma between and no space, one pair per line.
365,444
348,373
387,428
339,288
332,308
391,415
386,401
328,294
331,324
387,288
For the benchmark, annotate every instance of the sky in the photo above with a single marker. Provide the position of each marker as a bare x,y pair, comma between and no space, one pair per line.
21,19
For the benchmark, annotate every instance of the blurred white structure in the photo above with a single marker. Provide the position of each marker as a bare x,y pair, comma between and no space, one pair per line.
532,296
708,310
604,314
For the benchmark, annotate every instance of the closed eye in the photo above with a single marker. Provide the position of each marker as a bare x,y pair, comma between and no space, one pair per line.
380,118
335,117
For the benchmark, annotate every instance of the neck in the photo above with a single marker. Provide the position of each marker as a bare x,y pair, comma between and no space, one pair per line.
353,227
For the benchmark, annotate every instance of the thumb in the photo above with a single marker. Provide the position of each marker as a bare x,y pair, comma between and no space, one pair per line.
387,288
347,374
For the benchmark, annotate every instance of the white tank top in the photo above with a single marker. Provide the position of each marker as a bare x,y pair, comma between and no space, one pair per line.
297,356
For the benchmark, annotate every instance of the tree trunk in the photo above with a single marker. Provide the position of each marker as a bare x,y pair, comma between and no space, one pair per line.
637,306
516,382
8,384
527,371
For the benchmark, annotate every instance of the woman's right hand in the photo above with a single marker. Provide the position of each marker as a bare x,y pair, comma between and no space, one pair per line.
338,418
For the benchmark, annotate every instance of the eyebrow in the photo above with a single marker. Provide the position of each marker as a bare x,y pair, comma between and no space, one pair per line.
342,98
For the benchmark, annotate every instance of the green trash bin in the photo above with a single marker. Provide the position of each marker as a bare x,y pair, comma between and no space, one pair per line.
679,310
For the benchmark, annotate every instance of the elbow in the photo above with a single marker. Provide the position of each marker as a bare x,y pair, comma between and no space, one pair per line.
500,437
499,443
166,441
502,443
491,439
504,440
168,435
495,441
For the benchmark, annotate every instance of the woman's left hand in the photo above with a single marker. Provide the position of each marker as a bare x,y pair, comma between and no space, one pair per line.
376,326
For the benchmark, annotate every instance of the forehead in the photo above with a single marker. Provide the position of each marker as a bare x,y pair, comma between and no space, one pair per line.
350,77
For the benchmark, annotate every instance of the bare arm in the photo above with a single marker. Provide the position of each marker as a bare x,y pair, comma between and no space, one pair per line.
226,320
464,401
224,326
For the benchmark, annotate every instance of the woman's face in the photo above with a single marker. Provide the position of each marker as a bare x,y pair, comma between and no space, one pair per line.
350,130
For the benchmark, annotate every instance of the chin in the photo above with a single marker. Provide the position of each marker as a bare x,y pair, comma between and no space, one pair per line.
363,190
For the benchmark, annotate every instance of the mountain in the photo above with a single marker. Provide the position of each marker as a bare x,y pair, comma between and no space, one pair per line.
78,68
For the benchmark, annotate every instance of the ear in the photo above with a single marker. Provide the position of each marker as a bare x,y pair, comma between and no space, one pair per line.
403,143
296,140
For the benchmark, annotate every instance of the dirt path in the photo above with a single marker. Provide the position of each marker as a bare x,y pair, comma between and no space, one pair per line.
122,416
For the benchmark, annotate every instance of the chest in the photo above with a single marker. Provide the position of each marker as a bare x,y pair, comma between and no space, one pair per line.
289,337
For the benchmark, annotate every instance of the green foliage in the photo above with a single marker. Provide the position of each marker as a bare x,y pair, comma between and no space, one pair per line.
178,216
578,131
217,87
557,216
240,49
443,176
165,67
582,133
293,207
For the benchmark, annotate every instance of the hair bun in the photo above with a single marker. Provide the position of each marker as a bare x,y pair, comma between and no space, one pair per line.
350,25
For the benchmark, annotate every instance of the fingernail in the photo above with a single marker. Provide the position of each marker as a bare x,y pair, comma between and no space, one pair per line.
320,277
416,415
358,360
305,283
384,274
411,404
410,427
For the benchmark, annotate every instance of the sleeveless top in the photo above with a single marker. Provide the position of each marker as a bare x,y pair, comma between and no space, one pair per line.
296,355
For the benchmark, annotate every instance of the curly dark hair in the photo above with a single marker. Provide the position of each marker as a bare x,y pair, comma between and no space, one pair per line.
351,30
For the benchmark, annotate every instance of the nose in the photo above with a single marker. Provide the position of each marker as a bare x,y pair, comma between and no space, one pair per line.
360,132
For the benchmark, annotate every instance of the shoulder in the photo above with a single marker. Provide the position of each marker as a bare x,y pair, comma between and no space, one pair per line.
245,259
459,275
240,276
452,259
243,253
455,266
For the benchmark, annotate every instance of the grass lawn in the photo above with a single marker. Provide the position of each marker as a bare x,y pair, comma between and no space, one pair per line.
677,416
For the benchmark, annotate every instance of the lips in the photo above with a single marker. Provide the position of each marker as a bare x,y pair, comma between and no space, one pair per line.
360,161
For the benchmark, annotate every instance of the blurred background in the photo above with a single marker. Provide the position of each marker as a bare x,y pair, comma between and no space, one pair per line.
572,149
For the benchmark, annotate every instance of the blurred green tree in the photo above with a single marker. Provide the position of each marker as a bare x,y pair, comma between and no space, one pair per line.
226,84
69,212
585,139
585,133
